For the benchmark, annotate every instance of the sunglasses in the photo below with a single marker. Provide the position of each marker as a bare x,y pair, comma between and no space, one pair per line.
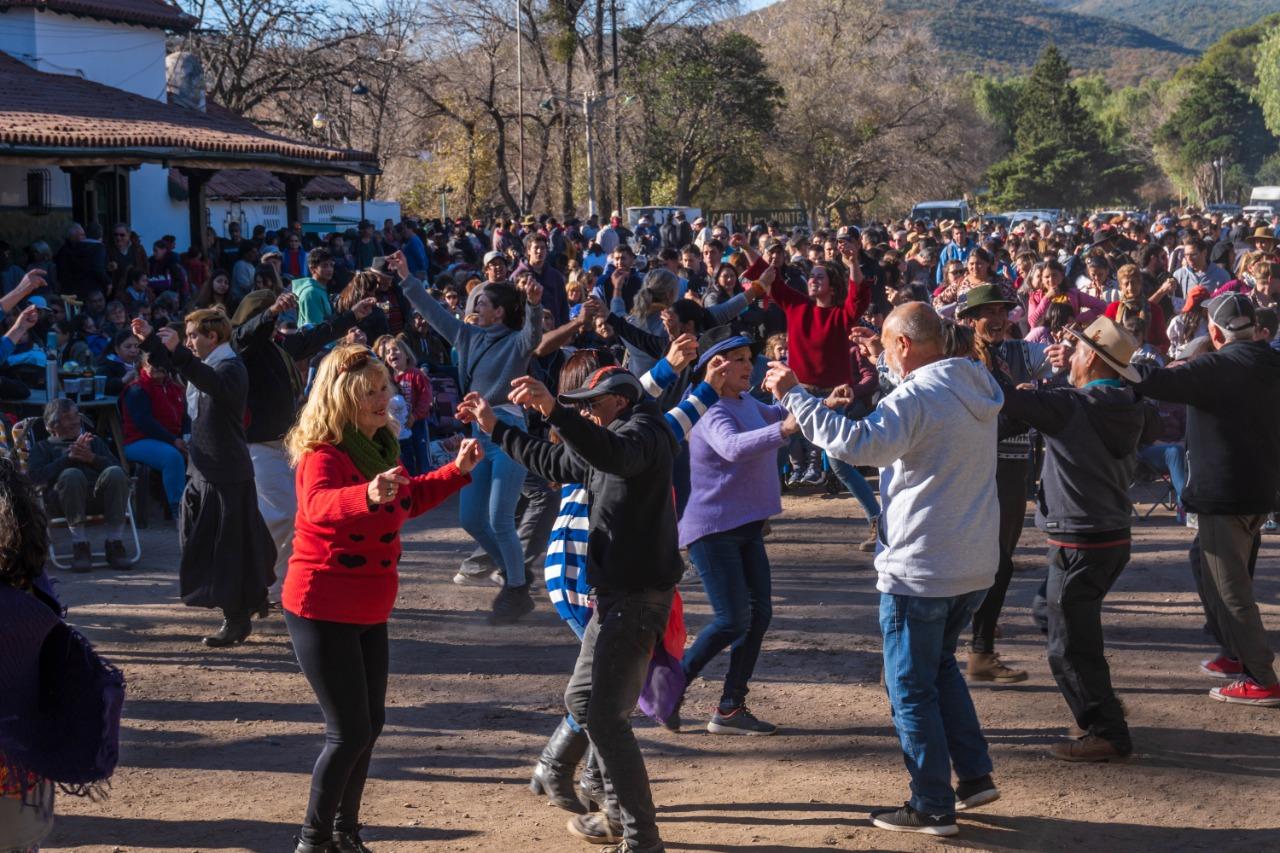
588,406
358,361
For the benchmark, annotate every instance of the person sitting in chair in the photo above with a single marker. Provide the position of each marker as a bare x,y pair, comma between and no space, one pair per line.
80,475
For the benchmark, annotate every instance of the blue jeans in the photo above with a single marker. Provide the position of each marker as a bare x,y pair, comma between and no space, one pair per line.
166,459
856,484
415,451
487,507
932,709
735,573
1168,459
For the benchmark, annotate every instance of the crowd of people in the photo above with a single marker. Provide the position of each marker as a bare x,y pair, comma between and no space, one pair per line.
609,401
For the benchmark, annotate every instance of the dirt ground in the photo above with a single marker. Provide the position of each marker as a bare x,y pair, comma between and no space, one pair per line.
217,746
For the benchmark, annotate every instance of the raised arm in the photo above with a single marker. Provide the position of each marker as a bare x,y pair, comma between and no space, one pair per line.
732,444
879,439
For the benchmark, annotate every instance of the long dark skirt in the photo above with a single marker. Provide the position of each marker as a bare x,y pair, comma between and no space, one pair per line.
227,550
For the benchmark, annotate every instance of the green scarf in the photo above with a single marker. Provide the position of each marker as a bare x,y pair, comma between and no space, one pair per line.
374,455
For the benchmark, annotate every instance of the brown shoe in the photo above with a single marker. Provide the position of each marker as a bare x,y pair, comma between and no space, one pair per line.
1075,732
116,556
1087,748
987,667
81,557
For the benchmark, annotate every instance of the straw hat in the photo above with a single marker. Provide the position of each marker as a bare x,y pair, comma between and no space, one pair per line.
1113,343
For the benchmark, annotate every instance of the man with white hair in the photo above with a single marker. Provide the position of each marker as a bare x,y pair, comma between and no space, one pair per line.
937,432
1233,446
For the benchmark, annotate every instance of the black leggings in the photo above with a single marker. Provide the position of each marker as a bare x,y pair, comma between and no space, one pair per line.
346,666
1011,493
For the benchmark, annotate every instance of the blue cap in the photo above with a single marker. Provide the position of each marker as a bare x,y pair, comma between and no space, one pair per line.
720,347
38,301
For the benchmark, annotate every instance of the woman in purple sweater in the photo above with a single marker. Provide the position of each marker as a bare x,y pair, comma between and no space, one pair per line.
733,454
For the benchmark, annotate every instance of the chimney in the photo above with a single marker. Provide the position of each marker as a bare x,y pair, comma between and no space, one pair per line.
184,77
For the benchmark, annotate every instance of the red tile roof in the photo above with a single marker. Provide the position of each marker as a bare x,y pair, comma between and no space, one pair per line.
148,13
237,184
42,110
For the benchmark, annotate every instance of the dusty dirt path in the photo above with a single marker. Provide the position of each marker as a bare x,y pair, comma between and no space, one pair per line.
217,746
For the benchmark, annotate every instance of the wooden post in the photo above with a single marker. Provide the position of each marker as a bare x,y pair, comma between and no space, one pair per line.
197,213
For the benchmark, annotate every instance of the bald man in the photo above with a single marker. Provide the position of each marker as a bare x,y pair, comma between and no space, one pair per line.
937,433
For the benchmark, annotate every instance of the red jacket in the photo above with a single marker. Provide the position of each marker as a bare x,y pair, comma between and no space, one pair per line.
345,552
1157,335
818,338
168,408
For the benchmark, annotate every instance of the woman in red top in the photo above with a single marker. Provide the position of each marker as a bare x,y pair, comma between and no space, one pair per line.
353,498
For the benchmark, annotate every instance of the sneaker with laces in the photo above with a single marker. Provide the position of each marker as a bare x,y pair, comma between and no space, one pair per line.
595,828
972,793
815,476
1246,691
1223,666
739,721
907,819
463,578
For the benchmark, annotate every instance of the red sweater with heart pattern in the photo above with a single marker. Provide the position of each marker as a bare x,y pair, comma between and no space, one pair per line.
345,551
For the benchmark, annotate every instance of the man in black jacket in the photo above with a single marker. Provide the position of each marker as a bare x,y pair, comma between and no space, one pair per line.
622,450
272,398
1233,447
1092,432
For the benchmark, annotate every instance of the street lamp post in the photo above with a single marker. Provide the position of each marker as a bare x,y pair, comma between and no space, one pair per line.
359,90
444,190
590,100
520,99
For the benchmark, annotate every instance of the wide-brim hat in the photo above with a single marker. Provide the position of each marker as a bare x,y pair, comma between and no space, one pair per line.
1101,236
606,380
947,224
983,294
1113,344
1263,234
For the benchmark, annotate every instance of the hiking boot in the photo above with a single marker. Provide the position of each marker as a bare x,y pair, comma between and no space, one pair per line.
1223,666
301,846
1246,691
234,631
595,828
591,786
739,721
907,819
1088,748
81,557
976,792
987,667
116,556
349,842
869,544
511,603
553,777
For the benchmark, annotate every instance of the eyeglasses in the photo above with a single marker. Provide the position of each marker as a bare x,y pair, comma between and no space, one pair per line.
586,407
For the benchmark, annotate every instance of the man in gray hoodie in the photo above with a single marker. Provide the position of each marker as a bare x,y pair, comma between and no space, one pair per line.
937,431
1092,432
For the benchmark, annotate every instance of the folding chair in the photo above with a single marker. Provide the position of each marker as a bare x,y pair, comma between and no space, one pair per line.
1151,487
24,435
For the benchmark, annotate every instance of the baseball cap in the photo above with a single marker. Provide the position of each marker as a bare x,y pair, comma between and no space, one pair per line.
771,244
606,380
493,256
1195,298
1232,311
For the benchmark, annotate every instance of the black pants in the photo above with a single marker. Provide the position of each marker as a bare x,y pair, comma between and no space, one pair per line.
602,693
1011,492
1079,578
346,666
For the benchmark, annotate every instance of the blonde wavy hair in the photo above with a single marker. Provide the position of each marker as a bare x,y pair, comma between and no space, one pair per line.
346,376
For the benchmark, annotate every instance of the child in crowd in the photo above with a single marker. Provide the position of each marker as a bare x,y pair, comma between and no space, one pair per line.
415,390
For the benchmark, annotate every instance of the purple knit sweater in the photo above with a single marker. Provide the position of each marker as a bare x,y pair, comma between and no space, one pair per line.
733,465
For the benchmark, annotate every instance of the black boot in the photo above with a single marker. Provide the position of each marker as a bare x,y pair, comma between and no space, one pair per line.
234,631
348,842
591,785
307,847
512,603
553,777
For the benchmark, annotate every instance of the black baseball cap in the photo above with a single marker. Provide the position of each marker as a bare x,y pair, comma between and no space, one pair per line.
1232,311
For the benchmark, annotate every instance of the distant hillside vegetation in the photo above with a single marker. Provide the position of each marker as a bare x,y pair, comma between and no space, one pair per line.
1007,35
1191,23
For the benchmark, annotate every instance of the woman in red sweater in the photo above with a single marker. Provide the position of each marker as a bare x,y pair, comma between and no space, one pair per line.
353,498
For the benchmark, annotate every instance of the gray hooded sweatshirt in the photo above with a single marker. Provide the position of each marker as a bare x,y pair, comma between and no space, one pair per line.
937,432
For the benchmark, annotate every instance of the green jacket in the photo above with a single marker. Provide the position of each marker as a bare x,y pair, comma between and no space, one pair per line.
313,302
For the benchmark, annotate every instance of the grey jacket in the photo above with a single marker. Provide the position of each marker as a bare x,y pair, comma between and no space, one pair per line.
1092,435
489,357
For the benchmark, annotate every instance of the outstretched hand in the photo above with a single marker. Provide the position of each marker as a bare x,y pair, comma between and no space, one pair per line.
779,380
682,352
475,409
141,328
384,487
469,455
529,393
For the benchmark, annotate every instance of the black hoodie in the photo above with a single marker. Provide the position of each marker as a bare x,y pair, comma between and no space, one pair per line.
626,468
1233,426
1091,436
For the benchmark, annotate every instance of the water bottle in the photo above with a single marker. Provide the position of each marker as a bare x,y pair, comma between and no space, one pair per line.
51,365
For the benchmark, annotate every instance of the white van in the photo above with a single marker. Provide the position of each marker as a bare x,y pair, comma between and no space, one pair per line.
936,211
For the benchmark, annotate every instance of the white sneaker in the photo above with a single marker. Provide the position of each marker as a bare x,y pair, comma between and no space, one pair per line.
469,579
1193,521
